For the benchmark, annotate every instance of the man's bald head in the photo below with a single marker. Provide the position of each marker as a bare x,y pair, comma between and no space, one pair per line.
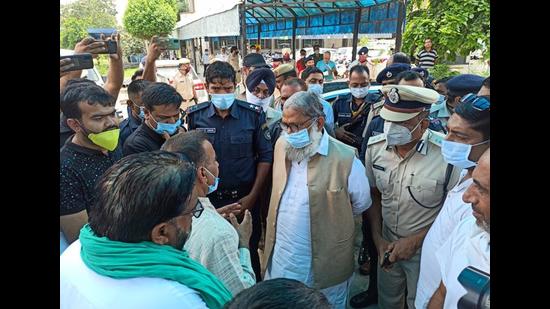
479,192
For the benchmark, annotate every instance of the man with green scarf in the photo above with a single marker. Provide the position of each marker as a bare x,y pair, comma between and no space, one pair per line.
129,255
87,154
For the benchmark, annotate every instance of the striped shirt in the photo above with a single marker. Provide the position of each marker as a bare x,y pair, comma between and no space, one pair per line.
426,59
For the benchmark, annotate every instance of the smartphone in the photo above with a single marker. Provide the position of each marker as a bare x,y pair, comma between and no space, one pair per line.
80,61
111,47
168,43
386,261
161,41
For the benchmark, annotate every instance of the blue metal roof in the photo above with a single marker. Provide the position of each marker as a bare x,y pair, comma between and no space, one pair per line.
319,17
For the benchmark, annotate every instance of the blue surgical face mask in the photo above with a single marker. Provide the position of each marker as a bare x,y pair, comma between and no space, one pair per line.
214,187
359,92
222,101
441,99
169,128
315,89
141,113
457,153
299,139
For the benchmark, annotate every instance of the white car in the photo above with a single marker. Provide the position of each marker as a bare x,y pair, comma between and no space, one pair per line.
167,69
91,74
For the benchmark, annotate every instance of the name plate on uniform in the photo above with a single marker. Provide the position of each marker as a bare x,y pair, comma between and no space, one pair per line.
207,130
378,167
344,115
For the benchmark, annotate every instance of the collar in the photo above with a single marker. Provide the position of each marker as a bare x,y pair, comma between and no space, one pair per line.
233,111
151,133
206,204
80,149
323,145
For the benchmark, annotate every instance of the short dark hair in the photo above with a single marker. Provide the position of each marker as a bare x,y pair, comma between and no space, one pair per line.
233,48
83,92
139,192
408,76
487,82
359,69
302,51
479,121
137,73
157,94
280,293
79,81
220,70
310,70
295,82
316,46
401,58
327,52
137,86
189,144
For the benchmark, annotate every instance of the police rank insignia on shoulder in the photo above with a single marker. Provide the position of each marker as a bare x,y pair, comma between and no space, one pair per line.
197,107
249,106
377,138
393,95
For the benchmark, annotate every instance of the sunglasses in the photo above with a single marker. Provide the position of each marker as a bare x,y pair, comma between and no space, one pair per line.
478,103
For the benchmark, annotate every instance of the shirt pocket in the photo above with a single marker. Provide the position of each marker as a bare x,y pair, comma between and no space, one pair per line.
427,191
382,179
241,145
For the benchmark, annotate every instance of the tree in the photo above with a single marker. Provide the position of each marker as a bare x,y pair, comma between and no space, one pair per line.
78,16
146,18
455,27
131,45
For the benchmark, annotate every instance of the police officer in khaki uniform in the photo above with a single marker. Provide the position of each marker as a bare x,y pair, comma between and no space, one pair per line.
409,181
282,73
183,82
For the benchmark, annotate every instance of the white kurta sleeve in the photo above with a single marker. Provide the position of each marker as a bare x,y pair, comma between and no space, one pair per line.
359,188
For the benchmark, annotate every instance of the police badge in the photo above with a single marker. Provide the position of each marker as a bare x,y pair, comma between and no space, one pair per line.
393,95
388,74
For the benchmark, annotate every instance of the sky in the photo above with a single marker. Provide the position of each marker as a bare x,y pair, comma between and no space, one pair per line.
120,7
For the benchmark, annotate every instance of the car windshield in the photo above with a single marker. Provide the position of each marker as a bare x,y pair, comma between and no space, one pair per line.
170,72
329,87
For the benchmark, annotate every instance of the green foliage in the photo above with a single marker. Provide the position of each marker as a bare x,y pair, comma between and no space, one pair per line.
78,16
455,27
73,31
145,18
442,70
131,45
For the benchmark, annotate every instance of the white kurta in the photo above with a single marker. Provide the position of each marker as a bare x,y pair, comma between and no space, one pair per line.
292,250
468,245
453,211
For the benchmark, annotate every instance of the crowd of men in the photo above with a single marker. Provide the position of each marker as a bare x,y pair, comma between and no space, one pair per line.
254,198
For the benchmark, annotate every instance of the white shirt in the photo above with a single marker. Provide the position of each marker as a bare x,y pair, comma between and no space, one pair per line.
453,211
214,243
468,245
292,250
205,59
82,288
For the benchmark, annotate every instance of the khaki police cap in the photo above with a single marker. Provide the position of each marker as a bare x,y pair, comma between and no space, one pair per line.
283,69
184,61
405,102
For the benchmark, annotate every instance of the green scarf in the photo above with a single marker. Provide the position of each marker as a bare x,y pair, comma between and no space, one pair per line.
120,260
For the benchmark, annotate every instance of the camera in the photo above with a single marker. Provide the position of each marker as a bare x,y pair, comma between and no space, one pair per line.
478,286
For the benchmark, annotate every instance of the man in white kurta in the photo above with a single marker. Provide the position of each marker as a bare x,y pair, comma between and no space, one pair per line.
292,253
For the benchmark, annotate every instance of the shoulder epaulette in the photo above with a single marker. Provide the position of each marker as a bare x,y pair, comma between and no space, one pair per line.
249,106
197,107
376,139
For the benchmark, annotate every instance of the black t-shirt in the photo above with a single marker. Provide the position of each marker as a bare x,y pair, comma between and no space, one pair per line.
143,139
79,173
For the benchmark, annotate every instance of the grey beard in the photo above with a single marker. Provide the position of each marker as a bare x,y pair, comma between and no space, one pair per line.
298,155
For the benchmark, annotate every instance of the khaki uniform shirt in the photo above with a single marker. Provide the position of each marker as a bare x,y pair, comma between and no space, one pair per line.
184,86
422,171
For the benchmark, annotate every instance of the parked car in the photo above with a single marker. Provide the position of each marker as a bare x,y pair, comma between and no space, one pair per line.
340,87
167,69
91,74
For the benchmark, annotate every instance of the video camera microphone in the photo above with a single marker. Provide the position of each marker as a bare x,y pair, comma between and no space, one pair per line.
478,286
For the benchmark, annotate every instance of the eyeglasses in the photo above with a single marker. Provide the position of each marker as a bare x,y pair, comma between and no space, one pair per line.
295,127
196,211
478,103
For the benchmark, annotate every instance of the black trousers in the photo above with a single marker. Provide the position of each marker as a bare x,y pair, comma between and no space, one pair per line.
256,228
368,243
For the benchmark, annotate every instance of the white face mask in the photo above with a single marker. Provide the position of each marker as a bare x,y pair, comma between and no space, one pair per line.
397,135
457,153
315,88
360,92
264,103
